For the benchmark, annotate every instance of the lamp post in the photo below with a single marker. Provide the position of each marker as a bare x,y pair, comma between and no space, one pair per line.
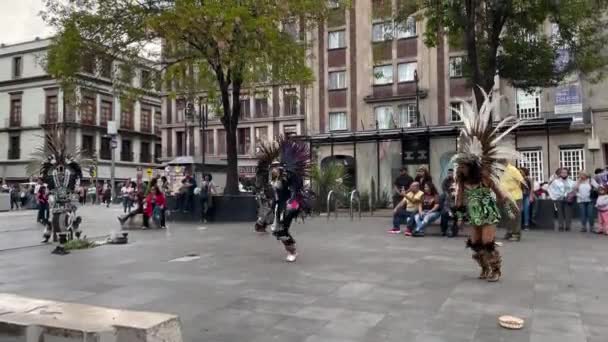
201,117
112,132
417,80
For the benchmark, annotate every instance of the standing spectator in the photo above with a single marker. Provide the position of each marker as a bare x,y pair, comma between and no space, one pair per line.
423,176
448,206
602,210
99,193
406,209
155,206
107,194
561,192
43,205
5,188
164,186
138,198
125,193
82,194
527,199
601,177
585,187
428,209
402,184
188,186
206,193
15,197
511,184
448,181
92,193
38,185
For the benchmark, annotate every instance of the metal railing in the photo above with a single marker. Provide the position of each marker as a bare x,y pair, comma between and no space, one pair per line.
331,199
354,195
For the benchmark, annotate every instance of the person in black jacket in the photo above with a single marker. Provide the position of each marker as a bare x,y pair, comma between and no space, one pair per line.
448,205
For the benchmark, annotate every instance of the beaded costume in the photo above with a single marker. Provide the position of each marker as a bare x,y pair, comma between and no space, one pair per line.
282,166
480,145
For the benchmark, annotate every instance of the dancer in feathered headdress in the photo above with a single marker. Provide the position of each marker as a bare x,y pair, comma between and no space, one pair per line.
481,160
282,166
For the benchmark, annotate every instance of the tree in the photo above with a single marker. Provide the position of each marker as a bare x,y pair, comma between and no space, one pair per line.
507,38
214,46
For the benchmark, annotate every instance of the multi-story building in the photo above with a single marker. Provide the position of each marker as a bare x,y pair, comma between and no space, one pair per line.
31,100
383,99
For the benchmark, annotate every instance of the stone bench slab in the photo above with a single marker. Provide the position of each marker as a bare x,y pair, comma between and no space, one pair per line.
25,319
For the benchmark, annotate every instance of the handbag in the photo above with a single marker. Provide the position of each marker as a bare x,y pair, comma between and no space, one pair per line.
571,197
156,214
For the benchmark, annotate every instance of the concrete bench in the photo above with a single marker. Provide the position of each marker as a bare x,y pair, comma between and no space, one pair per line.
32,320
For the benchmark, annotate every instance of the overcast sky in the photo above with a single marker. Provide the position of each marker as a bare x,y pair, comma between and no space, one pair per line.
19,21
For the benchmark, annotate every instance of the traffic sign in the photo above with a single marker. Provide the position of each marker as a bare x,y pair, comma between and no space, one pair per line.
149,172
114,143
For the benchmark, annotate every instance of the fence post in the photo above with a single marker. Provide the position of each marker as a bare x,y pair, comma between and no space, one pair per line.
353,194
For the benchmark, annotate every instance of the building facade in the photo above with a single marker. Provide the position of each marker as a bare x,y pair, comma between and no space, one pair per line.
31,100
383,99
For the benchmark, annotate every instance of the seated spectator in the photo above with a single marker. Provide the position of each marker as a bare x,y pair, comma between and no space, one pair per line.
429,209
155,206
406,209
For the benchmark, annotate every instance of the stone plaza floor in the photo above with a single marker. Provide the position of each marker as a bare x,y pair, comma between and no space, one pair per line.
352,281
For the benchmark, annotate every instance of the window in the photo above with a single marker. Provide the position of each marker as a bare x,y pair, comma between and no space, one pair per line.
106,67
145,79
88,110
336,39
17,67
407,116
180,143
383,74
209,146
157,120
454,108
406,71
221,141
337,80
337,121
382,31
14,148
146,117
290,102
290,130
384,117
456,67
88,145
533,161
126,118
52,109
573,159
261,107
144,156
88,64
15,119
126,153
106,112
105,152
407,29
244,141
158,153
528,104
261,134
245,108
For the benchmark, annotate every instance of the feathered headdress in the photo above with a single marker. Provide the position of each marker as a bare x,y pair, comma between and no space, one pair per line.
291,155
54,153
480,142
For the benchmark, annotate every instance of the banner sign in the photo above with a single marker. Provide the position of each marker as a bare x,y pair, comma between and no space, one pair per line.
569,98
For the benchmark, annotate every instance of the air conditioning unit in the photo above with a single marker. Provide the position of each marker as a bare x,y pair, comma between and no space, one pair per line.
593,144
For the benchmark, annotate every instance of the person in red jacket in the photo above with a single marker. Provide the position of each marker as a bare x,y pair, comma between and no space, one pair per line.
155,199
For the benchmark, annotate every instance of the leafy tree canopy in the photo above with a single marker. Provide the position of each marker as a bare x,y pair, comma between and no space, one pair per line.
215,46
510,38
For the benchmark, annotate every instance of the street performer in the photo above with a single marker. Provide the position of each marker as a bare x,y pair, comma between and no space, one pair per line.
286,163
481,160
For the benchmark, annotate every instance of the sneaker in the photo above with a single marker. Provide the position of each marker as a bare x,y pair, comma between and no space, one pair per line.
394,231
508,236
163,227
515,238
408,232
291,257
144,228
418,234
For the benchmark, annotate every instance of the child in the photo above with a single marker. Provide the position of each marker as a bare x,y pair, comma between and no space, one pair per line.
602,210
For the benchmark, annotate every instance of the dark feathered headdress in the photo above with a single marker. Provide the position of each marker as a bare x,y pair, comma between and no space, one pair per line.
290,155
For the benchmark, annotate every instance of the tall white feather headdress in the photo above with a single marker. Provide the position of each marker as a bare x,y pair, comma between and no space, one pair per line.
480,141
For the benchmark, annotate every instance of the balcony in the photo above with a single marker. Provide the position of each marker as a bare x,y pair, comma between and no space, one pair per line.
126,156
14,154
145,158
48,119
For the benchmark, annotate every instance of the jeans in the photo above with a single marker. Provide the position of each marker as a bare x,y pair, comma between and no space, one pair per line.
43,212
402,216
127,204
162,219
564,214
424,219
513,225
586,215
526,211
445,223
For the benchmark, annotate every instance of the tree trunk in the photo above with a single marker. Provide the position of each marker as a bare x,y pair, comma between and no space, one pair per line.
232,171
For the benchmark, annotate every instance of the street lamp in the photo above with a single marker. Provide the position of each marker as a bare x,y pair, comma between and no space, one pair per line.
202,118
417,80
